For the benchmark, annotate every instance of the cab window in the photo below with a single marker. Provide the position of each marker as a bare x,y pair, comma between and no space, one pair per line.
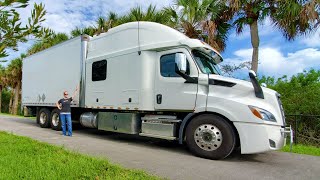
99,70
168,66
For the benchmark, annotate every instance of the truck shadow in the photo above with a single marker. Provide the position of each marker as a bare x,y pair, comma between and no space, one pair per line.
166,145
172,146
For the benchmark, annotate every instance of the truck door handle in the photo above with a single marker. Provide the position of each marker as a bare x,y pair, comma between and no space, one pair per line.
159,98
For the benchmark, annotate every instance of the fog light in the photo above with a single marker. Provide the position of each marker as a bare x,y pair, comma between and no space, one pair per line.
272,143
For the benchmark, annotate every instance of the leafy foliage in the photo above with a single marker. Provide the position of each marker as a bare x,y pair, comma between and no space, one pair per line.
292,17
300,94
11,29
48,42
5,100
207,20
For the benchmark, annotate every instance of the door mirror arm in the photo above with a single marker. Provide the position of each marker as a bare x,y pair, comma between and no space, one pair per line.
188,78
181,68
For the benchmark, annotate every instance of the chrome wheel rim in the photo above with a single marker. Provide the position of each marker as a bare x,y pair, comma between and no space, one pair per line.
43,117
55,119
208,137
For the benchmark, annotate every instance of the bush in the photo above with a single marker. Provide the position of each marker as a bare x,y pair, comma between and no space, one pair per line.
6,95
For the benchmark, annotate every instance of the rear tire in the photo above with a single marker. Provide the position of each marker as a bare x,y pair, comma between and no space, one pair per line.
210,136
55,120
44,118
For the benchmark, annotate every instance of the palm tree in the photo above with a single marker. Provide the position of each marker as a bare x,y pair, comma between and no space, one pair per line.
91,31
113,19
206,20
151,14
46,43
102,27
292,17
14,73
2,73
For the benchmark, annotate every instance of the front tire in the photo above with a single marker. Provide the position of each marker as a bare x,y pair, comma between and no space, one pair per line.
210,136
55,120
44,118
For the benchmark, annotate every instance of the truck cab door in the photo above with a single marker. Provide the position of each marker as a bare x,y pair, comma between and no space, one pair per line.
171,91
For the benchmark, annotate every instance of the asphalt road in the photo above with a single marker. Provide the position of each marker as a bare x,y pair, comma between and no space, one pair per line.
168,159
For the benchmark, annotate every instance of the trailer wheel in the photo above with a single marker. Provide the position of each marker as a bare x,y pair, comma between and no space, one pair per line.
210,136
55,120
44,118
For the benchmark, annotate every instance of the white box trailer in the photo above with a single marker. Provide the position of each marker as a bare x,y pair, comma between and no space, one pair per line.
148,79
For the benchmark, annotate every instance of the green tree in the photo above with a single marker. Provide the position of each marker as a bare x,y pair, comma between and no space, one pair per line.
138,14
11,29
14,73
102,25
91,31
112,20
48,42
300,94
207,20
2,85
292,17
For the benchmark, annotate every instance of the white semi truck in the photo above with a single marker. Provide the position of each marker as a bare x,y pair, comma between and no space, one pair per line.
148,79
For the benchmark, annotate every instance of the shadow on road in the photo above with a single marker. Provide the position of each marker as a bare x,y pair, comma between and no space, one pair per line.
166,145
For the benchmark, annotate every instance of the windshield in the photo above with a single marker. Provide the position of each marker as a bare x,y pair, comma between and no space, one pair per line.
206,63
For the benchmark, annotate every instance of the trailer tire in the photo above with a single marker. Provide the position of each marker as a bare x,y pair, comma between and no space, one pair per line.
210,136
55,120
44,117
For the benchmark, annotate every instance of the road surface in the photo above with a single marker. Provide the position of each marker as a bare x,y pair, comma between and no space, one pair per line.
168,159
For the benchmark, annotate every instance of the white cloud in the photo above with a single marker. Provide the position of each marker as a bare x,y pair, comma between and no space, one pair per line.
265,28
312,39
65,15
273,62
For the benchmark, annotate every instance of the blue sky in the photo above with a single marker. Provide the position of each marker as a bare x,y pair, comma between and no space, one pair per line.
277,56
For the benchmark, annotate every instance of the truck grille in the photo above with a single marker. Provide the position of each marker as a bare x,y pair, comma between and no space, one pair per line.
281,109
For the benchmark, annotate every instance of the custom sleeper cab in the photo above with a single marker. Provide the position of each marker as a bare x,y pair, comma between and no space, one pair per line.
148,79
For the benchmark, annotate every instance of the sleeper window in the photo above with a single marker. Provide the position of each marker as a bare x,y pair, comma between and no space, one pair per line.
168,66
99,70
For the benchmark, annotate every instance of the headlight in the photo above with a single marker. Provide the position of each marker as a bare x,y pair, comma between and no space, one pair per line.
262,114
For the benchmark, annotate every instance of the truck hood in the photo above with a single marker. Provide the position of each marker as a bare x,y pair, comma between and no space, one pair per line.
238,94
239,84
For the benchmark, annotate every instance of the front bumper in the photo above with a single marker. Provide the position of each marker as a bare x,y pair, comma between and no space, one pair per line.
258,138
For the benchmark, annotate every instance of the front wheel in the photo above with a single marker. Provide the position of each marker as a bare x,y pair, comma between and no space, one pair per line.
210,136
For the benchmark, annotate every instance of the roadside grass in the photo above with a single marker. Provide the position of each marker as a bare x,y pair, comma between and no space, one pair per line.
18,116
7,114
24,158
302,149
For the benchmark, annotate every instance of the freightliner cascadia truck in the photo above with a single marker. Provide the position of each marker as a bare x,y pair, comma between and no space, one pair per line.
147,79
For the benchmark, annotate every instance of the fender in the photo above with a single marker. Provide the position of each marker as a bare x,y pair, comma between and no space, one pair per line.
183,124
191,115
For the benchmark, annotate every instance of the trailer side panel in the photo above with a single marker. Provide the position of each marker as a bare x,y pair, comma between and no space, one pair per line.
50,72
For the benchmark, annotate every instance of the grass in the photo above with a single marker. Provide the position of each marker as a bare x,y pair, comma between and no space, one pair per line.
18,116
7,114
24,158
302,149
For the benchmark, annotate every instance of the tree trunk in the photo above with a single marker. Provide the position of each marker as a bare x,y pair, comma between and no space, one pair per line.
16,99
10,103
0,97
255,45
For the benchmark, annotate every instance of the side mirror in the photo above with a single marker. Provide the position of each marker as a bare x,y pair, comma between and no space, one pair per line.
252,73
181,62
257,88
